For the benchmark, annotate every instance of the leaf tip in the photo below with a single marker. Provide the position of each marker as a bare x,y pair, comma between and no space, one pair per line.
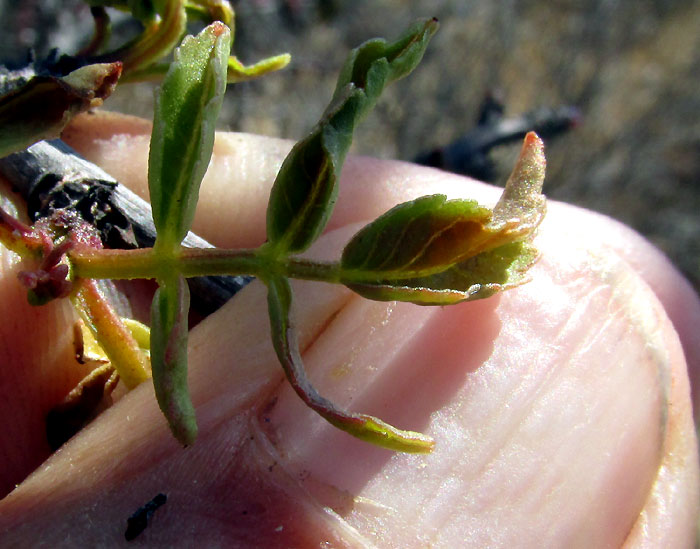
384,435
282,60
185,432
531,164
533,152
427,27
532,137
522,199
218,28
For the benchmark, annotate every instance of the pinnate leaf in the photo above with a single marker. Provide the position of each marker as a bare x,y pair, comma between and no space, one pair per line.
183,131
362,426
305,190
437,251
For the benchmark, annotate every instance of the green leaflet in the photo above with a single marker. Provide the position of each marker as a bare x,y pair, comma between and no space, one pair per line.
305,190
181,146
169,357
478,277
362,426
374,64
183,131
39,107
418,238
437,251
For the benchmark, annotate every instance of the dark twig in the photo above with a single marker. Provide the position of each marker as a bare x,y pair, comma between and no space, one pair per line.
469,155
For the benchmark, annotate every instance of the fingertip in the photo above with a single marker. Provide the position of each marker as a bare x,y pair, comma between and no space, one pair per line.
575,226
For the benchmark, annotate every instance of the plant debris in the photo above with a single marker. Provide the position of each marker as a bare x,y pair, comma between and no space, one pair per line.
138,522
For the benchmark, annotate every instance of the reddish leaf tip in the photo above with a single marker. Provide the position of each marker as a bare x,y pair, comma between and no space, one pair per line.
532,137
218,28
533,146
110,79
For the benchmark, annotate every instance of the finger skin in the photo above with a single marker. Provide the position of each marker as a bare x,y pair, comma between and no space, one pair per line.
550,443
525,459
37,367
561,412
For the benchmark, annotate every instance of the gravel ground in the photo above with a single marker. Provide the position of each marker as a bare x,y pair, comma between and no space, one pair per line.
631,68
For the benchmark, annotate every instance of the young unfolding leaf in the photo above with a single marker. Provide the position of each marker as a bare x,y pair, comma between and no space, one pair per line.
238,72
169,357
38,107
362,426
305,190
143,11
376,63
211,10
437,251
522,206
183,131
161,34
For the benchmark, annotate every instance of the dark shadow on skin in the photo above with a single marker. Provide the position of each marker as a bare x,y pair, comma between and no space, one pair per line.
225,491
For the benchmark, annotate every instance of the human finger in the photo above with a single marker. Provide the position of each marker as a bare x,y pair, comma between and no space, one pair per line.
595,404
234,195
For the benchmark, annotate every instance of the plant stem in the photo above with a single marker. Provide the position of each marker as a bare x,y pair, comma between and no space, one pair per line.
193,262
322,271
215,261
18,237
114,264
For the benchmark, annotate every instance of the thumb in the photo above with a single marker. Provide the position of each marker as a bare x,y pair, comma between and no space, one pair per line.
560,409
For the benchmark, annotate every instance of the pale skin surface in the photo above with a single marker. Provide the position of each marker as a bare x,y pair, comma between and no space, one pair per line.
561,410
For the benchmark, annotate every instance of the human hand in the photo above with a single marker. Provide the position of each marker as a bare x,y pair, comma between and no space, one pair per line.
561,410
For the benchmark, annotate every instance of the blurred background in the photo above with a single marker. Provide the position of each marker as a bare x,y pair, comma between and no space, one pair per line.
632,69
